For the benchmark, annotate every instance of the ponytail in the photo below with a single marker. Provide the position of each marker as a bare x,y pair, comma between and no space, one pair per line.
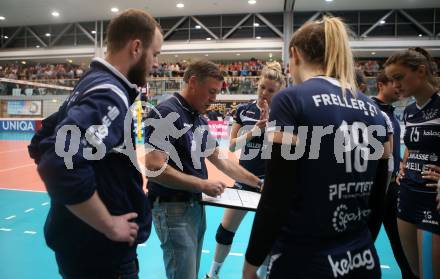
338,61
325,43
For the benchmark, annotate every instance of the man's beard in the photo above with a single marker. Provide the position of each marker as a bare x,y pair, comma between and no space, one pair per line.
138,73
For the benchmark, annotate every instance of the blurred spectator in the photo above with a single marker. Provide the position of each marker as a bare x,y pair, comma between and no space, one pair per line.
250,68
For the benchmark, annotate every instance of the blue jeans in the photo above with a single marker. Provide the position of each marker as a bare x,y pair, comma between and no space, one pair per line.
180,227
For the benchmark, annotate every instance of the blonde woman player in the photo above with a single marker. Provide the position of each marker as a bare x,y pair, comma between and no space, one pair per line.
314,209
247,134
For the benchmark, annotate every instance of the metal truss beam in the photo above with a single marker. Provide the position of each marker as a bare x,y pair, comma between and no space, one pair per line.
270,25
80,27
12,37
242,21
175,26
416,23
204,27
57,38
36,36
365,34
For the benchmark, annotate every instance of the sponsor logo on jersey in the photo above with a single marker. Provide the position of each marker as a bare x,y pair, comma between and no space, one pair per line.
349,190
418,156
430,114
244,118
254,145
342,217
346,264
431,133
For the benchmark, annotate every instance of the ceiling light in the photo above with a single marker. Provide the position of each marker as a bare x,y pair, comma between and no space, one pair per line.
328,0
373,53
180,5
93,32
208,39
55,14
54,100
258,37
198,26
256,24
252,2
420,35
37,46
23,62
382,22
69,60
47,34
114,10
6,37
2,18
270,55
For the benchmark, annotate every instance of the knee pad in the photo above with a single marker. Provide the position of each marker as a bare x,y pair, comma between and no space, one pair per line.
224,236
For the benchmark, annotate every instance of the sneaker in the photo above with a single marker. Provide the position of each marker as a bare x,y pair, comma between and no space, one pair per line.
214,277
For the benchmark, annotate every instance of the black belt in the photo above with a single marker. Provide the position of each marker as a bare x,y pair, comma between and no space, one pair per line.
174,198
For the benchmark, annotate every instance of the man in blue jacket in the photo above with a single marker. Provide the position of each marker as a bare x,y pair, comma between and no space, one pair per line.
98,210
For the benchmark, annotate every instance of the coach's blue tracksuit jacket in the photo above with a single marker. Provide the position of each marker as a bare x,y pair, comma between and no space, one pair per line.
102,98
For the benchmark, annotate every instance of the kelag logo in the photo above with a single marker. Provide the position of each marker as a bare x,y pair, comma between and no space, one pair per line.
17,126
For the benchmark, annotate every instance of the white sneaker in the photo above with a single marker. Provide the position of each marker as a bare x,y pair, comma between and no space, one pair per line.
214,277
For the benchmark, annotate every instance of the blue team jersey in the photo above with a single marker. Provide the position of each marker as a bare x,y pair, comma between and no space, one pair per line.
332,187
389,110
247,115
183,144
422,138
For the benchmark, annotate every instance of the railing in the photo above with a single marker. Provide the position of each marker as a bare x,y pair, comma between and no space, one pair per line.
157,86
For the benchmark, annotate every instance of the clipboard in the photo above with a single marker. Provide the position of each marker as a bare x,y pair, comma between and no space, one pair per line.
234,198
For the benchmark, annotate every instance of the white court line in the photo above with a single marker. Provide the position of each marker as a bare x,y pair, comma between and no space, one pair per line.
10,217
45,203
5,230
385,266
28,210
30,232
21,190
205,251
236,254
13,150
14,168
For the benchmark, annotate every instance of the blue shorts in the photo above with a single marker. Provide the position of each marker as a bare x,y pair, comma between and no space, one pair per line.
418,208
308,263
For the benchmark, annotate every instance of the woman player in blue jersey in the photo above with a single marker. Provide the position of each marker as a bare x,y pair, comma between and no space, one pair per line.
247,134
328,168
412,74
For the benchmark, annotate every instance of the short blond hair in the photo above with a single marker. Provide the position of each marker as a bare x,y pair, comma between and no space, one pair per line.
273,71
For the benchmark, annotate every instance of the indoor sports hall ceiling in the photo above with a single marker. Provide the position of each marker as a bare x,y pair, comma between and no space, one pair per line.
345,5
25,12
